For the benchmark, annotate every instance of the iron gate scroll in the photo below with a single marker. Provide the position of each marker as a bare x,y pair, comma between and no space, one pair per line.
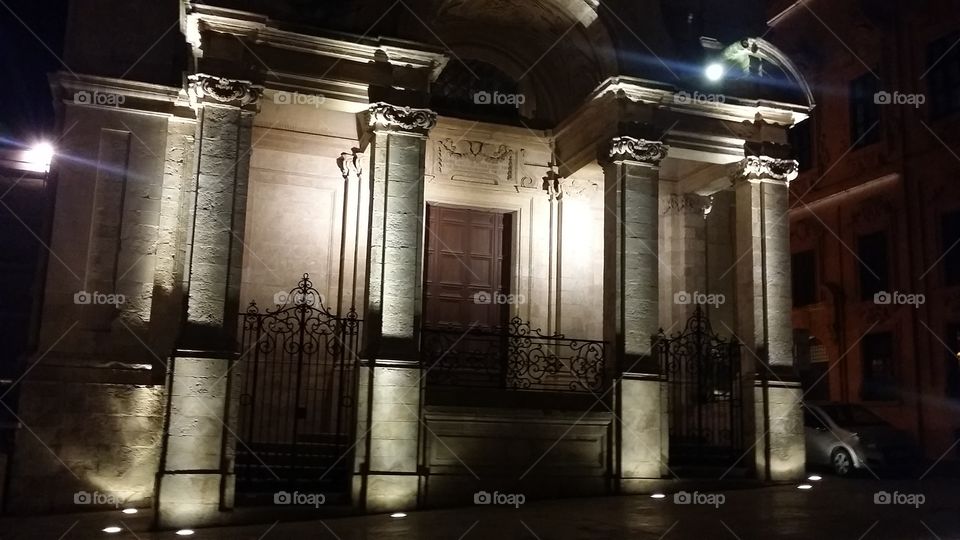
702,372
296,417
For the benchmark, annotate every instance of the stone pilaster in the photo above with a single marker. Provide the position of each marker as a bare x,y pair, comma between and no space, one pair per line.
764,304
389,425
196,477
631,304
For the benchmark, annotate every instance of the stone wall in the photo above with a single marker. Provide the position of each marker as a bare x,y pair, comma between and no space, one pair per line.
86,446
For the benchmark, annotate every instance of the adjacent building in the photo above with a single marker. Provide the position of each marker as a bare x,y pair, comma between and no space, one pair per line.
875,212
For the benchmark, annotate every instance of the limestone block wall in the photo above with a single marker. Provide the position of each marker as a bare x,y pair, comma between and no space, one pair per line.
92,401
86,446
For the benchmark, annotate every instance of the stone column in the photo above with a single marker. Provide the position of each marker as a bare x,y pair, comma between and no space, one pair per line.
764,307
387,461
631,305
196,472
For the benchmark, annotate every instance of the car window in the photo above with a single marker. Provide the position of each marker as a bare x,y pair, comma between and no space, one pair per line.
853,415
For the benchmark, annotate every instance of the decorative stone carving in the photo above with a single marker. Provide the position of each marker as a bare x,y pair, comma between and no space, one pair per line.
475,161
392,117
351,165
222,90
578,187
766,169
633,149
688,203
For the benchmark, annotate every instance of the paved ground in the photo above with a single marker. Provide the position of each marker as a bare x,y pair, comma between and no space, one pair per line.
833,509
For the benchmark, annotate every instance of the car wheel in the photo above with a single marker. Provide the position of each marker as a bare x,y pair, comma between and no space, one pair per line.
841,462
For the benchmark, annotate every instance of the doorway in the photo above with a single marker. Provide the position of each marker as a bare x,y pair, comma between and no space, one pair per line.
467,270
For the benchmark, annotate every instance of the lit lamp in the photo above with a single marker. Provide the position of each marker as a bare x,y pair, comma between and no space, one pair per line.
40,155
714,71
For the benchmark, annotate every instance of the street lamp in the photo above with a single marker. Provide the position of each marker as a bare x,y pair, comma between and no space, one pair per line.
714,71
40,155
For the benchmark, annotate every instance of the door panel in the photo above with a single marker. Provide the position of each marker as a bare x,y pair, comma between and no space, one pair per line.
466,257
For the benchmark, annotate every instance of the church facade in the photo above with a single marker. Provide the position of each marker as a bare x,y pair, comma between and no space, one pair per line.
374,273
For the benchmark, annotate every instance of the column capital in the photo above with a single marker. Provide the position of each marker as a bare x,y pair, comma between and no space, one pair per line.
205,88
625,148
384,116
757,169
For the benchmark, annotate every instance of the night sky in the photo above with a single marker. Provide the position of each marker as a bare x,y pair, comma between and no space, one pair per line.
31,40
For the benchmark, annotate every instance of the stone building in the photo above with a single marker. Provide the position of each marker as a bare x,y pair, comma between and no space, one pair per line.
874,214
460,255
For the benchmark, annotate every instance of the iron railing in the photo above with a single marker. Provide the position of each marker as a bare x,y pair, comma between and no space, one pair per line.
516,357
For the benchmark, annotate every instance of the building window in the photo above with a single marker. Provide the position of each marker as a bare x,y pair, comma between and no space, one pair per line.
874,264
804,276
801,144
943,75
879,375
950,247
864,111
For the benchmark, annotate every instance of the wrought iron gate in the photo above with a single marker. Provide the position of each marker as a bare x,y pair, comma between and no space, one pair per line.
702,373
296,415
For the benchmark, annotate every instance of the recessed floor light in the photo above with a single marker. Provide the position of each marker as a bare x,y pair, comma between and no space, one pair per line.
185,532
398,515
113,529
130,510
804,486
658,496
815,478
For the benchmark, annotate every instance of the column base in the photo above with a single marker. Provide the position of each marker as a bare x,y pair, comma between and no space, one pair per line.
642,432
780,450
188,500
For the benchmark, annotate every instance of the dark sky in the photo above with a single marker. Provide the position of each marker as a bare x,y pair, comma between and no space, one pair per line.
28,28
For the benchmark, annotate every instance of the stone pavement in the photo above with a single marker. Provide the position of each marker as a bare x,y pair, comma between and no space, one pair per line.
833,509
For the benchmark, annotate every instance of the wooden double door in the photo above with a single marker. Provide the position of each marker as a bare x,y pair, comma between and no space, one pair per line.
467,271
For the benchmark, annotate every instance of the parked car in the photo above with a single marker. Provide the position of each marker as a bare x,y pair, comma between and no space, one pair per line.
847,437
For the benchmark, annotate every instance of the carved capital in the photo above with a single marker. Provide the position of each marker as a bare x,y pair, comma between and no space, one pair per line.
765,169
392,117
633,149
209,88
351,165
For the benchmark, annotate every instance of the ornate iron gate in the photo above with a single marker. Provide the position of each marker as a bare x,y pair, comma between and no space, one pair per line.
702,373
296,415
